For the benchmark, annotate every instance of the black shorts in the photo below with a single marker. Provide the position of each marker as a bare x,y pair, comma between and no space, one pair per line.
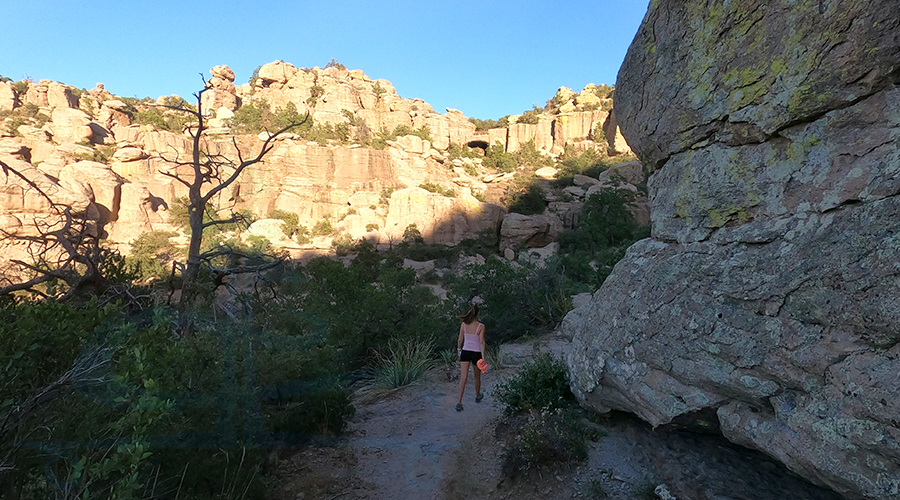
470,356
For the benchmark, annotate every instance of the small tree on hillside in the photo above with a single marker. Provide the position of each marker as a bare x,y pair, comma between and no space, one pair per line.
206,175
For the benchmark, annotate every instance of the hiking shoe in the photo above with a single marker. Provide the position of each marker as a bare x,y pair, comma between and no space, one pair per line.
479,397
459,407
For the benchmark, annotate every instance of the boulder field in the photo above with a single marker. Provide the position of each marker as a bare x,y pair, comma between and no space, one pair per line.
768,292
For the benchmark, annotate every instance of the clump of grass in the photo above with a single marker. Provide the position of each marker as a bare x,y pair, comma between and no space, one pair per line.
403,363
448,356
494,357
545,439
594,490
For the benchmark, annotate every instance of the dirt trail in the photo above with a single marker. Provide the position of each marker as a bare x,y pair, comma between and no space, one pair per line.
404,445
411,443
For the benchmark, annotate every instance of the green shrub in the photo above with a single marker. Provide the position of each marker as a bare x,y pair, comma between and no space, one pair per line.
542,384
322,228
529,156
333,63
386,193
343,244
255,116
378,90
496,158
518,301
153,254
606,229
437,189
598,135
455,151
163,119
371,227
604,91
481,125
545,439
531,117
589,162
531,201
21,87
291,221
315,92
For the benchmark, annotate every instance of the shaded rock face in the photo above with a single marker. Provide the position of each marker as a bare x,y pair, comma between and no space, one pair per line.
768,291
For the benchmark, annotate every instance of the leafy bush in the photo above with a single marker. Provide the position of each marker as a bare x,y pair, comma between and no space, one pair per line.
291,221
606,229
333,63
531,117
604,91
529,156
542,384
589,162
387,304
322,228
455,151
153,253
255,116
315,92
545,439
517,301
598,135
378,90
163,119
435,188
540,409
481,125
496,158
531,201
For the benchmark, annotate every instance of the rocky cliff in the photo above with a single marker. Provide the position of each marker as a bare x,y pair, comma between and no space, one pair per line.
90,148
767,295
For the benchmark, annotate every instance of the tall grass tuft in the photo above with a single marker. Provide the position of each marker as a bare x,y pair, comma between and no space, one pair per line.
402,364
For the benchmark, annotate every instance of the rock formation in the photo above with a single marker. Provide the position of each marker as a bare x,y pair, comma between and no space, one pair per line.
768,291
86,140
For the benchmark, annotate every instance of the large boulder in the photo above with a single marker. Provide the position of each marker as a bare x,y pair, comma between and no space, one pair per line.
528,231
7,96
71,125
439,219
768,293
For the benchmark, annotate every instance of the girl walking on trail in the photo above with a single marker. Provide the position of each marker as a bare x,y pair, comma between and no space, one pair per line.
471,348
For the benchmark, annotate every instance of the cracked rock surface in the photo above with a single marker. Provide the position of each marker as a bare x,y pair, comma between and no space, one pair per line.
769,292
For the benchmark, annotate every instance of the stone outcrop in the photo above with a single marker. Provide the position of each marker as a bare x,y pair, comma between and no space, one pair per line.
71,125
767,294
528,231
7,96
439,219
330,94
222,93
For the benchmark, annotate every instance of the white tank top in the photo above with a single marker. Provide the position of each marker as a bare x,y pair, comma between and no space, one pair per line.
471,341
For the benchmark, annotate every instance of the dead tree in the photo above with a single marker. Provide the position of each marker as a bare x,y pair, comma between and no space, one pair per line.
208,175
64,247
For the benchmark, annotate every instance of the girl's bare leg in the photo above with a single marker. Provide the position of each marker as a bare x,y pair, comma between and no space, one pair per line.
463,374
477,382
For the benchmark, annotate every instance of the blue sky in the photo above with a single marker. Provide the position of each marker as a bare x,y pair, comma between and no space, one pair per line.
487,59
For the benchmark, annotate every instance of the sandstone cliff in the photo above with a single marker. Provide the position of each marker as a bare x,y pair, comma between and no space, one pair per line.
768,291
91,148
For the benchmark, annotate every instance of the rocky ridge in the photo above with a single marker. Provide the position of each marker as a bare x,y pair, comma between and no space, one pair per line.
766,296
87,146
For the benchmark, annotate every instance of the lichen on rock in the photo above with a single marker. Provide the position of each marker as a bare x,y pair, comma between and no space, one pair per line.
768,289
